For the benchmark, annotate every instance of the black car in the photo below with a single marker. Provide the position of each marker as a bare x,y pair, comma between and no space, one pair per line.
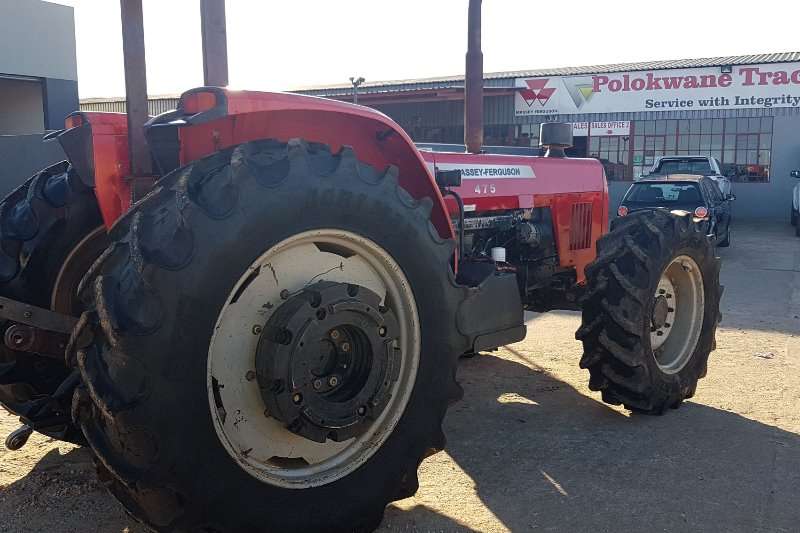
697,194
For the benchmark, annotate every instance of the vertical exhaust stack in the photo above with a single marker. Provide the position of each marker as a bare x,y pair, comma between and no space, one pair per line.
135,86
473,88
215,42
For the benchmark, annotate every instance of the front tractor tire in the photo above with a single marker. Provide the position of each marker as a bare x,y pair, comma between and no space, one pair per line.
650,311
275,344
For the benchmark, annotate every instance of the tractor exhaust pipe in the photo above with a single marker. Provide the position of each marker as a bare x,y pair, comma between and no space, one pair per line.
135,86
215,43
473,82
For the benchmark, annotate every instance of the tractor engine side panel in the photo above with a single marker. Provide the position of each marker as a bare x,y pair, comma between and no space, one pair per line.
574,190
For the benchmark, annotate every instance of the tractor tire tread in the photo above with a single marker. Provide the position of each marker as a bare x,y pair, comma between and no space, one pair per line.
123,384
614,334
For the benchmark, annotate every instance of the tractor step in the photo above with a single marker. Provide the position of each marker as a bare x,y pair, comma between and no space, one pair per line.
18,438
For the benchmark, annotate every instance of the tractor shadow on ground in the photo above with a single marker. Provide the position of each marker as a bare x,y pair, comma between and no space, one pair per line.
543,456
60,494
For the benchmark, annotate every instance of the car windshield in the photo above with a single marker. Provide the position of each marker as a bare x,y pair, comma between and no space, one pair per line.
684,166
664,193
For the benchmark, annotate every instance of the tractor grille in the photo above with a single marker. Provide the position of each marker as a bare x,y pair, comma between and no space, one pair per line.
580,227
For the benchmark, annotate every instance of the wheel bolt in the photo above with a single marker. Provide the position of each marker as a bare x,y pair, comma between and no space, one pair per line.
361,411
335,334
659,333
284,294
257,330
297,398
251,375
317,384
669,296
345,346
667,324
382,331
661,291
670,309
333,381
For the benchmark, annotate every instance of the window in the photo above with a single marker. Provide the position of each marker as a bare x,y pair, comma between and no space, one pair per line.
742,146
613,153
668,193
685,166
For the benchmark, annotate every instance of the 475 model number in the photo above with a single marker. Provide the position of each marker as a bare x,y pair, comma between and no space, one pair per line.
485,189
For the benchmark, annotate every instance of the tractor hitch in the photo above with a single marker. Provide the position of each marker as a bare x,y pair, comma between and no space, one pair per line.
35,329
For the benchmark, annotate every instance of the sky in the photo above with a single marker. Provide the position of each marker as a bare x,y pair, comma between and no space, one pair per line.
283,45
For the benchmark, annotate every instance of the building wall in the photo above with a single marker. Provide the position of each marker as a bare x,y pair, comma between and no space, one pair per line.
21,109
155,105
37,39
37,42
22,156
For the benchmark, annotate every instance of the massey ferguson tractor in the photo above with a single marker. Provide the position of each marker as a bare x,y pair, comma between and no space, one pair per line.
251,308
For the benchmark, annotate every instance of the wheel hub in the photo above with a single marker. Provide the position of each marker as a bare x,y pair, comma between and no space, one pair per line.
660,311
326,361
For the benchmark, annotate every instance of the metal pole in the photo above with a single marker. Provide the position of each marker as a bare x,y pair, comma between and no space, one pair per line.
356,82
135,86
215,44
473,82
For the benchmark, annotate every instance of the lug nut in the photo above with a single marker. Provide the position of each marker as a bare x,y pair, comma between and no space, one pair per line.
250,376
661,291
257,330
284,294
361,411
659,333
667,324
317,384
382,331
335,334
671,309
333,381
297,398
345,346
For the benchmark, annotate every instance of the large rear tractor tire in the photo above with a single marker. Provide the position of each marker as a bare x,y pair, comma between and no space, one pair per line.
275,344
650,311
50,233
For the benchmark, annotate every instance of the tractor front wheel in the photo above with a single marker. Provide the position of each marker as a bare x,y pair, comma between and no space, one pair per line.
275,344
650,311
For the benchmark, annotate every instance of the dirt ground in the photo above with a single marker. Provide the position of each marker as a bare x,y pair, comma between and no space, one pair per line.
530,448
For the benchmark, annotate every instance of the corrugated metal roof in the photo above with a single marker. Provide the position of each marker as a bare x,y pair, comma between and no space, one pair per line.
491,79
505,79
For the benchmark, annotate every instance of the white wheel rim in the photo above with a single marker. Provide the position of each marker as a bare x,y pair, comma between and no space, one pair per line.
674,337
261,445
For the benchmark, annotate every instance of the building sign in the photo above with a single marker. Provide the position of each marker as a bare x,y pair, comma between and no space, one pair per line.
580,129
747,86
601,129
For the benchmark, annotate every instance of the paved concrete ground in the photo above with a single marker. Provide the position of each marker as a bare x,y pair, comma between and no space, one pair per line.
532,449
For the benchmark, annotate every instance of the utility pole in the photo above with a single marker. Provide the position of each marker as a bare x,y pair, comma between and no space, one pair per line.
356,82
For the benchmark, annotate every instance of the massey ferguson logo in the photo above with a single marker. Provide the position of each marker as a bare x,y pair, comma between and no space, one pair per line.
537,91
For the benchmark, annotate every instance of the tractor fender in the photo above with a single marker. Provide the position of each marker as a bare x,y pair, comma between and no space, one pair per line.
209,119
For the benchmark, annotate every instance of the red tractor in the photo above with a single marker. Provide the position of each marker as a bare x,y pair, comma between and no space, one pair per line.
261,334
